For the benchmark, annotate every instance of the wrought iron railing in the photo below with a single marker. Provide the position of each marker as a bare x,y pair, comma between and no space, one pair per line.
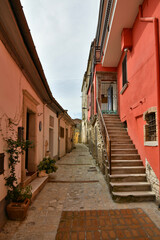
105,135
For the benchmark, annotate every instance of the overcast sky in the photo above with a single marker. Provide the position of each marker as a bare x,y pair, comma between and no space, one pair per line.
62,32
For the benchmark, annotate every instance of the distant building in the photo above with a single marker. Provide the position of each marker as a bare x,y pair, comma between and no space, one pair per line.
77,131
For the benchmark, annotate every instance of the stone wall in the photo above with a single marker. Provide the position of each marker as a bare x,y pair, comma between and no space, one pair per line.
152,179
96,146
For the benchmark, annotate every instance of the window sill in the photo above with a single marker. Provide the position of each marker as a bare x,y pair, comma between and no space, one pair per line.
124,88
151,143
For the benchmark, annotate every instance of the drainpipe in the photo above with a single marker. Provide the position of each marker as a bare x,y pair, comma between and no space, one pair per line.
156,45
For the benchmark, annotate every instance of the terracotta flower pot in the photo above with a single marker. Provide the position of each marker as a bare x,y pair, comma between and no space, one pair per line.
17,211
42,173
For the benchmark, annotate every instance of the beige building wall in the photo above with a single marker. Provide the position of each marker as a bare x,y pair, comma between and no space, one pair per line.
62,138
50,133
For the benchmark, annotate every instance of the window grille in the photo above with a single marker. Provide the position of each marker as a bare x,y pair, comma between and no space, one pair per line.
151,133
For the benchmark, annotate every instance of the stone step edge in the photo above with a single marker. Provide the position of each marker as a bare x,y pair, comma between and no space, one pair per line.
121,184
37,185
127,154
124,161
136,193
128,167
127,175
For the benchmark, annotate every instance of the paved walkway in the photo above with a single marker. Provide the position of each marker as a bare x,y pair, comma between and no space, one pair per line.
77,203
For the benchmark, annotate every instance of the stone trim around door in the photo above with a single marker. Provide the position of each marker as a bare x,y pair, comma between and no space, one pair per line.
29,111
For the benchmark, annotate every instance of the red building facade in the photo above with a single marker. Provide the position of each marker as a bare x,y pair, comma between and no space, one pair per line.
126,61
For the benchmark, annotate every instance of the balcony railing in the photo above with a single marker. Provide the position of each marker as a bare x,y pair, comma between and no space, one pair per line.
105,135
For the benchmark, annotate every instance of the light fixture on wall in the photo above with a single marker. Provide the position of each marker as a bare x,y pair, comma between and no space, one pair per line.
126,50
39,114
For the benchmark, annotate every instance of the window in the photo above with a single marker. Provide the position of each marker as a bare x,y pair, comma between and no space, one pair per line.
150,128
124,71
51,121
1,163
61,132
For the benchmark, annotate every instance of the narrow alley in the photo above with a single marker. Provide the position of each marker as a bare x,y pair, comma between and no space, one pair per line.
76,204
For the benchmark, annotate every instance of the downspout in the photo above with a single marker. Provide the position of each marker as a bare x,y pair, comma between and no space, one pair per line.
156,44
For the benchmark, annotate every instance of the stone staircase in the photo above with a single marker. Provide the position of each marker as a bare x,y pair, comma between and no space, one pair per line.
128,182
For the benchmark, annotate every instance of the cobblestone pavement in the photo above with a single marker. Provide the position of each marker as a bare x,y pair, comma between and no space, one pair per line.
78,185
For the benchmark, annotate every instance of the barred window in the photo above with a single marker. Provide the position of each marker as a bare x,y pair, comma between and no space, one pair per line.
150,127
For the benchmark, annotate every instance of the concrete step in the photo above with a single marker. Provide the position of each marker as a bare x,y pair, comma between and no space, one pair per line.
128,178
114,125
138,196
111,116
29,179
130,186
117,132
124,151
120,141
126,170
125,156
119,137
37,185
122,146
125,163
115,121
120,133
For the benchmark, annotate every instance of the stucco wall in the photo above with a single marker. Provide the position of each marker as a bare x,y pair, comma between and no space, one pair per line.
62,140
11,107
47,114
141,93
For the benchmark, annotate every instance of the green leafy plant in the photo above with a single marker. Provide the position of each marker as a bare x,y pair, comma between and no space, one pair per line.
47,164
16,193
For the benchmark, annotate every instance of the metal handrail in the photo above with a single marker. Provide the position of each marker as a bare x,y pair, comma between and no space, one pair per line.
105,135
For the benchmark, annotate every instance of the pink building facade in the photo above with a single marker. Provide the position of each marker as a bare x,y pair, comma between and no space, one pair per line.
27,106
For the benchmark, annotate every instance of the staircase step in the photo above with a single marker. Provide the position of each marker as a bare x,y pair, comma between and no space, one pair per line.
124,151
123,146
111,125
125,156
121,141
128,178
124,163
37,185
119,137
130,186
138,196
126,170
111,115
120,133
111,121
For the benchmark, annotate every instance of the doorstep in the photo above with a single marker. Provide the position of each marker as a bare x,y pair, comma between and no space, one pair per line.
29,179
37,185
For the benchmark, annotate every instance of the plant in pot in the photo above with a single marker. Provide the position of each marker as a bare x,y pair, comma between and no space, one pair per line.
46,166
18,198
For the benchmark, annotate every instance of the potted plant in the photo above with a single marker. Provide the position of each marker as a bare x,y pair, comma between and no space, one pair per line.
18,198
46,166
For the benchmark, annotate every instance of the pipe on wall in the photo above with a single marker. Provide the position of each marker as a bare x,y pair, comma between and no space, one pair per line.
154,20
